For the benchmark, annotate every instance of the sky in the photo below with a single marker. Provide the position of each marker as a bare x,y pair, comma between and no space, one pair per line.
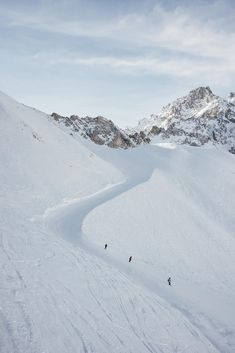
122,59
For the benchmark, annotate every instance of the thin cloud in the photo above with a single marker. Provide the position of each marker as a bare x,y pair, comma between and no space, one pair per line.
198,47
177,30
212,70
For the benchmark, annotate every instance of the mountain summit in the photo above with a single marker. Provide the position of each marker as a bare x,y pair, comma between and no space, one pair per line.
196,119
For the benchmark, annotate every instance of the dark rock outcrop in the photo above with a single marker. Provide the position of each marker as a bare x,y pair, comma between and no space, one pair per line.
101,131
196,119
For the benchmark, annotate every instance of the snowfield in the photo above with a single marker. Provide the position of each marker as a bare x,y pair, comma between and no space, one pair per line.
169,207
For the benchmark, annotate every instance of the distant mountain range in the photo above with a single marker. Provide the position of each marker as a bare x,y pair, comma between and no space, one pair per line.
196,119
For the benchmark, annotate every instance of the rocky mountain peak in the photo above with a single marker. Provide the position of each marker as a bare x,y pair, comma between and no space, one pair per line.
100,130
196,119
201,93
195,99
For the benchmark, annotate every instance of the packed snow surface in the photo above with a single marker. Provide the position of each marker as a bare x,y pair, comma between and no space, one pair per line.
62,199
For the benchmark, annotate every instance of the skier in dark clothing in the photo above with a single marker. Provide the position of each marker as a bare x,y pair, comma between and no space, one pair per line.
169,281
105,247
130,258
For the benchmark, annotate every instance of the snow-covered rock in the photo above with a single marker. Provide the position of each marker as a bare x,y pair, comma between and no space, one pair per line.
100,130
231,98
196,119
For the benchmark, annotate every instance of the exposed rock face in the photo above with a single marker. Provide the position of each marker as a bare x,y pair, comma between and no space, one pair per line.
101,131
139,138
196,119
231,98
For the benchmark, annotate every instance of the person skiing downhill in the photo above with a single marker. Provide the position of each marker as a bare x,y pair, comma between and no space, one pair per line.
130,258
169,281
105,247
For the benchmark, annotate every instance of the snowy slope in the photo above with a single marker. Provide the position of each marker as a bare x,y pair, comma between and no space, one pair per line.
179,222
36,155
63,198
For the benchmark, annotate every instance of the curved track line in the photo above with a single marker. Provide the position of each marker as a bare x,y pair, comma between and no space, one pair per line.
67,220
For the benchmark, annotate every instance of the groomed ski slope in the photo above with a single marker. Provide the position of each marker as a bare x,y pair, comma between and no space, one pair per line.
62,199
172,217
180,222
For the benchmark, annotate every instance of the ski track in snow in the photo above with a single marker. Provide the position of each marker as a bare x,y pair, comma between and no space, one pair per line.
67,219
69,295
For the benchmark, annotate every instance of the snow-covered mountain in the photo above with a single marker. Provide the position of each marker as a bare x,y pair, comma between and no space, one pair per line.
100,130
62,198
196,119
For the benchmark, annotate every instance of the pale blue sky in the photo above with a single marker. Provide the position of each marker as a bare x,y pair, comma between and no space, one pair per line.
121,59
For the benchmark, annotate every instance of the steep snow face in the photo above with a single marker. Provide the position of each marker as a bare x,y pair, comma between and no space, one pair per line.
35,153
196,119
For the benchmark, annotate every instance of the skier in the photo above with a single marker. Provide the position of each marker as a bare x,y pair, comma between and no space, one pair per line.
105,247
130,258
169,281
